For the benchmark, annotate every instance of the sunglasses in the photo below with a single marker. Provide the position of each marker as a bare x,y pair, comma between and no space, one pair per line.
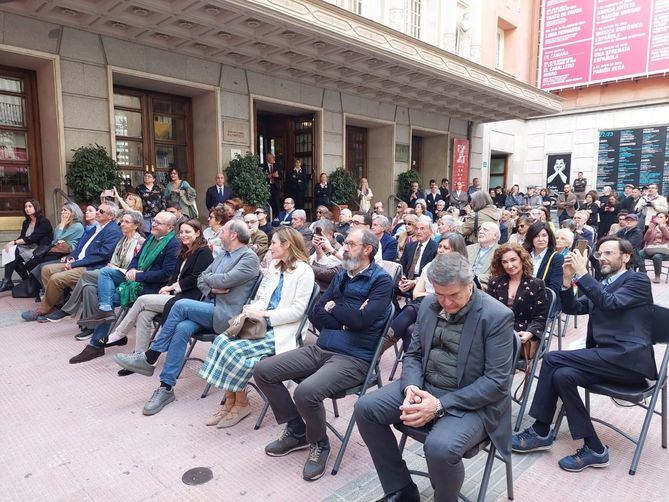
101,211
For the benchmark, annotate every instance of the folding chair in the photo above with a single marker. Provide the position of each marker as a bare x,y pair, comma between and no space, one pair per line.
373,378
543,348
638,394
300,342
420,435
210,337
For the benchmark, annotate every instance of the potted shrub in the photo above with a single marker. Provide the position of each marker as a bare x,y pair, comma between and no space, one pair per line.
404,181
248,181
344,189
91,171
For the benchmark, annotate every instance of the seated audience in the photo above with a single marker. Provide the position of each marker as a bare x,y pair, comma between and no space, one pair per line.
325,264
322,213
258,241
417,254
146,273
656,245
460,393
92,252
420,208
212,233
194,257
480,254
398,220
234,208
285,217
227,284
379,209
400,327
381,227
299,223
634,234
546,261
350,317
445,225
483,210
344,224
84,296
512,284
283,301
564,239
619,349
36,231
263,224
617,227
174,207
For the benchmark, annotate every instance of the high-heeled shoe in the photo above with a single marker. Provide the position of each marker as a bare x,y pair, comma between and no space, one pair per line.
120,341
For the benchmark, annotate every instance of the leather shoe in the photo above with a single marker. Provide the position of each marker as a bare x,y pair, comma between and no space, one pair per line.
6,285
409,493
99,317
120,341
88,354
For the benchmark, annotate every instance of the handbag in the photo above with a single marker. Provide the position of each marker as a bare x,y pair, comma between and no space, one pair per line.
247,327
40,251
28,288
61,247
529,350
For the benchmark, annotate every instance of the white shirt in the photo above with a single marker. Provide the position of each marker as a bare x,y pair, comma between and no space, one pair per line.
536,261
82,253
420,250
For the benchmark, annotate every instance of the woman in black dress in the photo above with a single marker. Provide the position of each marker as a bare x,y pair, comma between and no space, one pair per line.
608,214
323,192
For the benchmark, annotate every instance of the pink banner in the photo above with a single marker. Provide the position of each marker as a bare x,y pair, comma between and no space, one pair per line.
589,41
461,161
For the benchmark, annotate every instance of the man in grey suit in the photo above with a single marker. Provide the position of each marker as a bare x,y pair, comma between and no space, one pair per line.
480,254
455,381
226,284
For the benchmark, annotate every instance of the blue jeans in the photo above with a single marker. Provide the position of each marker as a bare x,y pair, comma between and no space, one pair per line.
186,318
108,279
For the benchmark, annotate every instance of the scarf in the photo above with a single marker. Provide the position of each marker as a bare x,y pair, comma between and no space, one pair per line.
129,290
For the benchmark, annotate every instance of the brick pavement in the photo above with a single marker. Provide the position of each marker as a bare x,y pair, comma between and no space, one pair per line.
77,433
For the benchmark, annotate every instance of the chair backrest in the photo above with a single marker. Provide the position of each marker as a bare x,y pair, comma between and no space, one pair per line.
374,372
256,287
394,270
552,300
315,293
659,324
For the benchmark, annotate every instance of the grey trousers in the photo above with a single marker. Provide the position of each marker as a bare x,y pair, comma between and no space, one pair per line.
325,373
141,315
84,296
449,439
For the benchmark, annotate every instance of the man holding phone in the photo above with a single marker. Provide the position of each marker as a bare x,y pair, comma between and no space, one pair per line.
651,204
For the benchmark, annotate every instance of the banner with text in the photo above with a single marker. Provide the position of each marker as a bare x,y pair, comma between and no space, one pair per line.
589,41
461,161
635,156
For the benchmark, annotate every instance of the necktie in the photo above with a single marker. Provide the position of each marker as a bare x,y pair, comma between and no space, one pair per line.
411,272
606,283
220,194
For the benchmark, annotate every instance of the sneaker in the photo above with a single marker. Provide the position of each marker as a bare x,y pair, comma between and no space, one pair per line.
30,315
528,441
314,467
84,335
584,458
57,315
286,444
161,398
135,362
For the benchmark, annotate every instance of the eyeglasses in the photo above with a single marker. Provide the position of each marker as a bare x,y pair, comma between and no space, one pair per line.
259,212
101,211
399,207
607,254
159,223
351,244
250,221
356,222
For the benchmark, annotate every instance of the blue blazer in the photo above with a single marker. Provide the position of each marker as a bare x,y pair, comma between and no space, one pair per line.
554,275
388,247
618,327
100,250
212,199
161,269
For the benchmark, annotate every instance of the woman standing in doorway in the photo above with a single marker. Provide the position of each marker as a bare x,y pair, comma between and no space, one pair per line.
152,200
365,195
178,190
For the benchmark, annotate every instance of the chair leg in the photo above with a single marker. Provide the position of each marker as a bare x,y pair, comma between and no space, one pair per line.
587,401
644,430
486,474
344,444
205,391
398,359
663,418
402,443
263,412
558,422
335,408
526,398
191,346
509,478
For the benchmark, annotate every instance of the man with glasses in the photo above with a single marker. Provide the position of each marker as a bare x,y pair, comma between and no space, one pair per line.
258,241
416,255
93,251
359,221
146,274
455,379
263,224
379,209
299,223
286,216
651,204
618,349
480,254
343,225
350,317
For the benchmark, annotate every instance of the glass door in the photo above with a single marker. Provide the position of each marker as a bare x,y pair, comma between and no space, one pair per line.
153,133
356,152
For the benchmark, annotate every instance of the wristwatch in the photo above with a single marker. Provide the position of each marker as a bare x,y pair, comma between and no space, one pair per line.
440,410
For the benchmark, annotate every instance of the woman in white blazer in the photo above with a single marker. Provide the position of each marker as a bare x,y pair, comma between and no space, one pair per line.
365,195
282,300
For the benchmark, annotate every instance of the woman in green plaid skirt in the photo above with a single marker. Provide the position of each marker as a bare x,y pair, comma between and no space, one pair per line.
282,300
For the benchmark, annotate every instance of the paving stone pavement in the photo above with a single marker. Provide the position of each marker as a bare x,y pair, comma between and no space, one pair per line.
76,433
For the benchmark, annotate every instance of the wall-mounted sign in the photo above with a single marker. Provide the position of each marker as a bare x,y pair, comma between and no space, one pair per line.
557,171
460,161
401,152
235,131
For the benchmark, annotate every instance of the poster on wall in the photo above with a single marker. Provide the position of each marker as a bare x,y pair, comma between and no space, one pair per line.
558,168
461,161
589,41
633,156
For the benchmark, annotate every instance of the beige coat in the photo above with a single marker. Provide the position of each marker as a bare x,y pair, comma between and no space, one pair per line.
295,294
490,213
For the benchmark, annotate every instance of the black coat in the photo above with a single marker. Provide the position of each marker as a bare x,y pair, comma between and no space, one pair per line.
428,255
530,307
42,234
322,195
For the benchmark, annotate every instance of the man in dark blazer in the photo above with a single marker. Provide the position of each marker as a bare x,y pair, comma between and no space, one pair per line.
93,251
273,174
618,349
634,234
432,197
413,265
459,391
381,227
218,193
414,194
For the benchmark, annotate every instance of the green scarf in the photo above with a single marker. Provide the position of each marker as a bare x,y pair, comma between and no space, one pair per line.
129,290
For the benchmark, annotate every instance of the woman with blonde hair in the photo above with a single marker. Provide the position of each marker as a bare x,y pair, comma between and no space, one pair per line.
282,300
365,195
406,237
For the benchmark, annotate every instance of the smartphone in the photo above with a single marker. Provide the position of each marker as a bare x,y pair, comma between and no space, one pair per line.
582,246
318,231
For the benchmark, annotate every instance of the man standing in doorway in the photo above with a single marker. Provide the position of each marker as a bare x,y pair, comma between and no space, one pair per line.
273,175
218,193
